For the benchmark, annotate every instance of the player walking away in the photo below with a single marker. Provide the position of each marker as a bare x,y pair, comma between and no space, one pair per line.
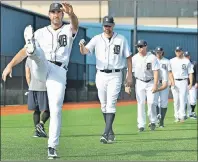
192,94
111,50
182,70
50,48
163,90
146,70
37,100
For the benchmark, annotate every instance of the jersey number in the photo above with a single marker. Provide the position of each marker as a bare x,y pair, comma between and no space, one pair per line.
116,49
148,66
62,40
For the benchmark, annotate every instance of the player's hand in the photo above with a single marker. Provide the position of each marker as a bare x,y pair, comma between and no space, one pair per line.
155,88
129,80
67,8
82,42
190,86
128,90
7,71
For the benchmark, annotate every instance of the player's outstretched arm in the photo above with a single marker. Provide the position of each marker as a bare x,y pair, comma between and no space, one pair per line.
20,56
129,76
191,80
68,9
156,78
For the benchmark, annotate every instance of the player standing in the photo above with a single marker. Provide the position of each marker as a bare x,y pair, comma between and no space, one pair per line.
111,50
37,100
146,71
50,48
181,70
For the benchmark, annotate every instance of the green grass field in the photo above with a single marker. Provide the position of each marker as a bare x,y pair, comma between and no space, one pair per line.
81,130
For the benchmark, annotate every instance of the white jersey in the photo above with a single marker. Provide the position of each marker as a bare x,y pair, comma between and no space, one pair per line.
110,54
181,68
56,44
164,69
143,66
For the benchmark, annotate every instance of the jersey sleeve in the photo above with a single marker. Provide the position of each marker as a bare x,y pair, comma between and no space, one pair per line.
126,49
155,64
190,68
91,45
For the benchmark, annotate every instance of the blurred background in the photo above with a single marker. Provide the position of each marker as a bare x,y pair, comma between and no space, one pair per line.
167,23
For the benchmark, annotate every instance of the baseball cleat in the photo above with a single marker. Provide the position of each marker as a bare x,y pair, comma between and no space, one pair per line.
176,120
193,116
111,138
104,139
41,130
36,134
141,129
51,153
161,126
152,126
29,40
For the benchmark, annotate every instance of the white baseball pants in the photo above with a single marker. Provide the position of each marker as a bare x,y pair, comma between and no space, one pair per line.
55,78
109,86
143,91
180,92
162,98
192,99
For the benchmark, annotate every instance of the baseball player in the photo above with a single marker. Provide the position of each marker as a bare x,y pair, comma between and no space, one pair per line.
37,100
50,48
163,90
181,69
192,94
111,50
146,70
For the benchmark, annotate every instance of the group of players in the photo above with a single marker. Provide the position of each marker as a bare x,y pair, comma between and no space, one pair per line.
48,51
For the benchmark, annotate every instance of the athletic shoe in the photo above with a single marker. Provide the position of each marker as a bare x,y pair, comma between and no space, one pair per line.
141,129
111,138
41,130
152,126
36,134
51,153
161,126
29,40
176,120
104,139
193,116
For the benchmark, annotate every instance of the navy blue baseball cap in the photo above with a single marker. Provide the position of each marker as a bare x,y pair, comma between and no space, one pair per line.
178,48
186,53
159,49
55,7
108,20
141,43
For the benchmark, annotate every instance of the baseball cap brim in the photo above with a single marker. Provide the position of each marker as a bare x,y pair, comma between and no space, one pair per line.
108,24
55,9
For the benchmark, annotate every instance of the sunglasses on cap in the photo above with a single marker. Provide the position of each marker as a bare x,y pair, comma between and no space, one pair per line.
178,50
107,26
140,46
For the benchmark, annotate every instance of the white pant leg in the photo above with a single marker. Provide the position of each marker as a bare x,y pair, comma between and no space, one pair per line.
40,67
189,110
183,92
56,82
152,102
175,93
193,96
113,90
140,97
101,84
163,95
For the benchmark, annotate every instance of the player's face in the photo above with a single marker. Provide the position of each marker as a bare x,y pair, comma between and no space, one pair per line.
56,17
108,29
188,57
179,53
141,48
159,54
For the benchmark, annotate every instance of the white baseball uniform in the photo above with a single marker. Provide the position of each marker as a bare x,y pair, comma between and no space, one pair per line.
143,67
110,55
181,68
53,45
163,77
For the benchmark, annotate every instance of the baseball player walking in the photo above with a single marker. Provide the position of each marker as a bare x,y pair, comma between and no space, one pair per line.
37,100
146,71
111,50
50,48
192,94
181,69
163,90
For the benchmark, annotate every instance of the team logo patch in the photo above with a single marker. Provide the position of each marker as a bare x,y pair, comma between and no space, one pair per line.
148,66
116,49
62,40
183,66
164,66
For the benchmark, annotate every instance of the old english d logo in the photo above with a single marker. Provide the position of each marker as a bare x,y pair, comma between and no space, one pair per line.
62,40
164,66
116,49
148,66
183,66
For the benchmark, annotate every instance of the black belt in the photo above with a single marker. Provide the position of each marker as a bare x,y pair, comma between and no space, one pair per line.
181,79
58,64
146,81
110,71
